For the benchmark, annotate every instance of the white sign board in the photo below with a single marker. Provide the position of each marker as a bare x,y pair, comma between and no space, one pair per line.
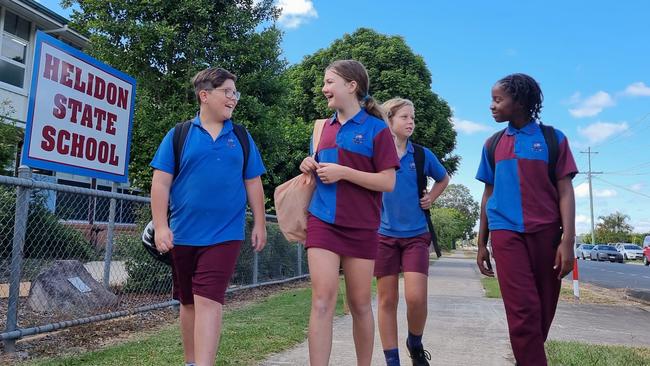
80,113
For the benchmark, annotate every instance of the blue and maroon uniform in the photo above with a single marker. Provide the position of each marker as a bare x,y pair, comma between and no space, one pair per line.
344,217
524,220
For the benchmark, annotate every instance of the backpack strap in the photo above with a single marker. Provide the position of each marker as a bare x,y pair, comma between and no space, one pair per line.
319,124
418,157
553,150
242,137
180,135
492,143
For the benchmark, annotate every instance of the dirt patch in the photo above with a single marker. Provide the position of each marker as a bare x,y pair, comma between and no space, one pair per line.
94,336
591,294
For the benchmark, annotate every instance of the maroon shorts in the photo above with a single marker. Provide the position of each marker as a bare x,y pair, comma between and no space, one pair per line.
203,270
344,241
397,255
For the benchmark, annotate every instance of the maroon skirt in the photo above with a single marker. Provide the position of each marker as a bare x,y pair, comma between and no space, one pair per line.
344,241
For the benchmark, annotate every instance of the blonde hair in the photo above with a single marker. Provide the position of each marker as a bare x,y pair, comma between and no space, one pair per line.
391,107
352,70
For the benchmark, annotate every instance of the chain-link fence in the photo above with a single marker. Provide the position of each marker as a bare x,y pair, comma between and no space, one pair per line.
71,255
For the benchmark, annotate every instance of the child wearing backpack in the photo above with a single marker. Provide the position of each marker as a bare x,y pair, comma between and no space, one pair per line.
206,187
355,161
404,238
528,211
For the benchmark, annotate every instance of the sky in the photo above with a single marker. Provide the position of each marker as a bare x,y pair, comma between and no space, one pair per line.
590,58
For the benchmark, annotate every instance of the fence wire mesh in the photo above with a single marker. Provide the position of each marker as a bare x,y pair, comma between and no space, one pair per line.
68,234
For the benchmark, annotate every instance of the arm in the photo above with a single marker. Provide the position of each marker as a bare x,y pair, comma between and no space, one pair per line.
255,194
565,256
427,200
160,186
383,181
483,256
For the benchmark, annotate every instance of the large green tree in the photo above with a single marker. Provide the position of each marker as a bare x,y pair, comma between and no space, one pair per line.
458,196
163,43
612,228
394,70
449,224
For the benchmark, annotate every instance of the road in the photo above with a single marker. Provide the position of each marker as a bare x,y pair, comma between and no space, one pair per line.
614,275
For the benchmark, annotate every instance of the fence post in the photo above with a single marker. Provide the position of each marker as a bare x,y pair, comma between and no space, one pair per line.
255,267
108,254
299,256
20,228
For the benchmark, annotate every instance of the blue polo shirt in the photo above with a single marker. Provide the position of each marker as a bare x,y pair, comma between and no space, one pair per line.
208,198
524,199
401,214
363,143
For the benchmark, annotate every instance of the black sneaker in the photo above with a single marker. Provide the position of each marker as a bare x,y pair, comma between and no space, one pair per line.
419,355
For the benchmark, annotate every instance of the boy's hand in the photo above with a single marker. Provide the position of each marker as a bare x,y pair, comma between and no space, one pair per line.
331,172
308,165
426,201
483,261
564,258
258,237
164,239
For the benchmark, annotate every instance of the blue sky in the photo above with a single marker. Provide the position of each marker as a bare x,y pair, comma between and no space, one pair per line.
590,57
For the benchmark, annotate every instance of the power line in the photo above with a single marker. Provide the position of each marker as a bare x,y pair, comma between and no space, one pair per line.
625,133
624,188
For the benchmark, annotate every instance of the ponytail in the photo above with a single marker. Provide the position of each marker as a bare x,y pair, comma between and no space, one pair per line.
373,108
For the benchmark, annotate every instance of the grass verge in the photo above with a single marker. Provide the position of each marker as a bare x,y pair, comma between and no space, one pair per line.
249,335
578,354
491,287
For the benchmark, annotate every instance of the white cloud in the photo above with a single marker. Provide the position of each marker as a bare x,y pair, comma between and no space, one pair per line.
601,131
638,187
469,127
581,219
592,105
582,191
295,12
638,89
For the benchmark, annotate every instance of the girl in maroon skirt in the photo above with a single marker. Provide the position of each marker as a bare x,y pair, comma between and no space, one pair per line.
355,161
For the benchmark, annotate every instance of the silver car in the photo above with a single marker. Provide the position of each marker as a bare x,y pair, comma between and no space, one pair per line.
630,251
605,252
583,251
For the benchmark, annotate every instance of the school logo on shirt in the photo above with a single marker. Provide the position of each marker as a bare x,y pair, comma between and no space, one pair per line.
358,138
537,147
230,142
412,166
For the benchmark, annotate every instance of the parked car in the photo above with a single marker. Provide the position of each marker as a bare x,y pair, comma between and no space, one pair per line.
646,250
630,251
583,251
605,252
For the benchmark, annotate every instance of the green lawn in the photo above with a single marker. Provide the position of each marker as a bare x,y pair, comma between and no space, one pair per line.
249,335
491,286
578,354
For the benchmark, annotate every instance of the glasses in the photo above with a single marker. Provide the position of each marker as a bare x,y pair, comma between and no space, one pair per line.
229,93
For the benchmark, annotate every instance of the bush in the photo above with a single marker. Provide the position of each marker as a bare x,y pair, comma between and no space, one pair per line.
146,275
45,237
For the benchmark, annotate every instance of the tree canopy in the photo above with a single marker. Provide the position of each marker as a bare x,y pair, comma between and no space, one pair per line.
394,70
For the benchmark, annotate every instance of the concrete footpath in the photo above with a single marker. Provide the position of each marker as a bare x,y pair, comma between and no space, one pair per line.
465,328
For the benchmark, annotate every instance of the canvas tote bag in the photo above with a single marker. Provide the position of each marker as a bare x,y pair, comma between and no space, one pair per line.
293,196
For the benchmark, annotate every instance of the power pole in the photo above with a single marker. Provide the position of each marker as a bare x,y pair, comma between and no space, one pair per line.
591,196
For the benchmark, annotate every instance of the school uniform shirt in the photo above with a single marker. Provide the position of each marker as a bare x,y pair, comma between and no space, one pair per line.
524,199
363,143
207,200
401,214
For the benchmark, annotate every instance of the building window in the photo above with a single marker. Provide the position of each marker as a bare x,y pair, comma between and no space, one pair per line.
13,49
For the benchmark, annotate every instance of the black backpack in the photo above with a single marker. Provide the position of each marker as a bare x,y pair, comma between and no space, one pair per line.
418,156
180,135
549,137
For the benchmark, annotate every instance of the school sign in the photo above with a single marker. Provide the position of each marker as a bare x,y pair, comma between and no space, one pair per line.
80,113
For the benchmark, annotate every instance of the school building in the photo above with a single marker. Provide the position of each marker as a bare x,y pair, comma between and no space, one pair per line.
19,21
